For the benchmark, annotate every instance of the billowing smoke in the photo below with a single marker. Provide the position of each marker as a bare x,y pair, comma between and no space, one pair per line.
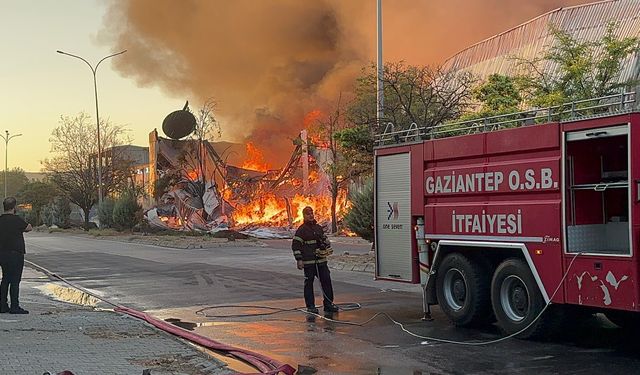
270,62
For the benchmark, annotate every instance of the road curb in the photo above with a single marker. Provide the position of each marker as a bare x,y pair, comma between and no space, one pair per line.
354,267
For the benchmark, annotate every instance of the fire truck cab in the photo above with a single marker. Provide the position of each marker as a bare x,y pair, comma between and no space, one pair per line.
500,218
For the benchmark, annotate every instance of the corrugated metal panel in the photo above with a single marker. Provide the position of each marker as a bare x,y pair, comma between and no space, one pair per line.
531,39
393,217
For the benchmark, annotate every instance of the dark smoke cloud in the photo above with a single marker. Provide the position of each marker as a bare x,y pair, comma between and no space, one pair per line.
268,63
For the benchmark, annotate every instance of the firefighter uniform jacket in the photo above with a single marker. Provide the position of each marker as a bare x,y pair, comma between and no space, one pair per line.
308,239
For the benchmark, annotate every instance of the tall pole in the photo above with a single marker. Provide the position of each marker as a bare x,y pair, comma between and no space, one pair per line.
380,96
95,91
7,138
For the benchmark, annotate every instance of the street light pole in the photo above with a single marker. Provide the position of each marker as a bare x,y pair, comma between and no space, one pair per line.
95,91
7,138
380,70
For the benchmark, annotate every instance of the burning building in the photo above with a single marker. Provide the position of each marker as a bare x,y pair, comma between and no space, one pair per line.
196,187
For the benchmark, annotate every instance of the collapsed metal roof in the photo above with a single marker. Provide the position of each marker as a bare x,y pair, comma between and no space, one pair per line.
499,53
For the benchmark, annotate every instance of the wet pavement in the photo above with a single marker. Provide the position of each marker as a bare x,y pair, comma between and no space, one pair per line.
175,284
380,347
57,336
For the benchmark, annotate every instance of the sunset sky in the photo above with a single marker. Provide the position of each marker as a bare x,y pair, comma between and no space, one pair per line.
178,47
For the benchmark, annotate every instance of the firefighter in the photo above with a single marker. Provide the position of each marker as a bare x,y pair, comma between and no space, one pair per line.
311,248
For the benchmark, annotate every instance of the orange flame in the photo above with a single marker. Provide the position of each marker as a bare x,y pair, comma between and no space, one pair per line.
255,159
272,211
192,175
312,124
311,117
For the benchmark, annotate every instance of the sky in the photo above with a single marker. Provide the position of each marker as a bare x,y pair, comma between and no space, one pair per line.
38,85
267,63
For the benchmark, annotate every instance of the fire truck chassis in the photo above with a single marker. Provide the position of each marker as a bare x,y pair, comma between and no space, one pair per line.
523,219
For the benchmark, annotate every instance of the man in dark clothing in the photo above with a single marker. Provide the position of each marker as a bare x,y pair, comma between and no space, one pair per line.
310,248
12,252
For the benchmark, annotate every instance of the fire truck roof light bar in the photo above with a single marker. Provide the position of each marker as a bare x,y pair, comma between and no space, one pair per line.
580,109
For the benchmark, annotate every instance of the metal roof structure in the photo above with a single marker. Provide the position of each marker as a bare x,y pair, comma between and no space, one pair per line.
499,53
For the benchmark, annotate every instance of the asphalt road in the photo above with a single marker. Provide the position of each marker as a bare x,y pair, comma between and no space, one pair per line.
175,284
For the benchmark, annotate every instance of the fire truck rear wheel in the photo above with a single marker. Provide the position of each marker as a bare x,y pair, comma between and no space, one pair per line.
516,299
462,287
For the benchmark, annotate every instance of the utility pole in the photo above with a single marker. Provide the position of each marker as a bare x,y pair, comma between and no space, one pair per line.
380,91
7,138
305,161
95,91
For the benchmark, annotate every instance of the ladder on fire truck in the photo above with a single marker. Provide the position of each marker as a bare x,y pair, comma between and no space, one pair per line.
615,104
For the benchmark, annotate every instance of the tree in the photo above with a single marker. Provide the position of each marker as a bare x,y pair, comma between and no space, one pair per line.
56,212
498,94
422,95
584,69
16,179
194,154
73,168
360,217
127,213
37,194
105,212
207,126
412,94
337,169
356,145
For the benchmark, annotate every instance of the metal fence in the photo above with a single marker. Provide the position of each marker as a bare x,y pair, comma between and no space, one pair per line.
577,110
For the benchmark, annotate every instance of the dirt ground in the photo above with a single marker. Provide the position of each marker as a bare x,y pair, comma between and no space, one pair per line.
177,240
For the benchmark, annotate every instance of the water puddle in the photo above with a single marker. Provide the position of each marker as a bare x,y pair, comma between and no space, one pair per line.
398,371
191,326
69,295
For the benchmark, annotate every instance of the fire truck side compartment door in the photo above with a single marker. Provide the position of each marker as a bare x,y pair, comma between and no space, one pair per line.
393,217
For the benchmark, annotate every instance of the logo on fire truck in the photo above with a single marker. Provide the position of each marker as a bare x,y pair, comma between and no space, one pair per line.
392,210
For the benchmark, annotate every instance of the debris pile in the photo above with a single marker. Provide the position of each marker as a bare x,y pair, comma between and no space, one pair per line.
196,189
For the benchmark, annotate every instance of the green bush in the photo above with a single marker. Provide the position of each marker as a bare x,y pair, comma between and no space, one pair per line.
28,215
360,218
105,213
56,213
127,213
63,212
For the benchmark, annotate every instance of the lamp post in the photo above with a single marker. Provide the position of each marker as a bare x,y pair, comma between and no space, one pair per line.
380,65
7,138
95,90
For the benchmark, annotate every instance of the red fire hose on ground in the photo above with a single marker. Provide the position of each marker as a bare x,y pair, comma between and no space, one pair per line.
261,362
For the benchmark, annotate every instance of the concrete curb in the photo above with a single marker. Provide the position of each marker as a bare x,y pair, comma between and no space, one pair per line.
355,267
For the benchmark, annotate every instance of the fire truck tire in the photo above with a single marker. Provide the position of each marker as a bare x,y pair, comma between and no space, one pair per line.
463,290
517,300
627,320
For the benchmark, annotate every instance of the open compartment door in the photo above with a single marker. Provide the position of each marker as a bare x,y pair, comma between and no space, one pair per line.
597,190
393,228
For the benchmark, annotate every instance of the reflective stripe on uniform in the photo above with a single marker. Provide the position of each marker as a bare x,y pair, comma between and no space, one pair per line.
311,242
296,238
296,252
321,260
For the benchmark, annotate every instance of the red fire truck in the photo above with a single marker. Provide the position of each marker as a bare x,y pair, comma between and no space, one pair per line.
499,217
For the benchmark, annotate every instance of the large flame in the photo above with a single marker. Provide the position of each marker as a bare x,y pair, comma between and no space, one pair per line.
271,210
255,159
311,118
